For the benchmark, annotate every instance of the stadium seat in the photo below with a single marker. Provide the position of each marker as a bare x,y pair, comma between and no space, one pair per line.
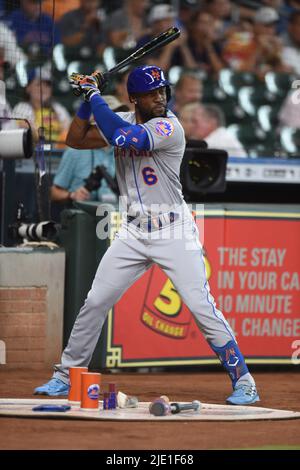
14,92
279,84
212,93
69,101
59,59
83,66
231,81
176,71
252,98
174,74
113,55
61,85
267,117
234,114
78,53
290,141
262,151
271,148
254,139
248,133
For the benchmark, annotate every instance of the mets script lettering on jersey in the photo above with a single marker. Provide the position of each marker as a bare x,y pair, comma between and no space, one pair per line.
121,152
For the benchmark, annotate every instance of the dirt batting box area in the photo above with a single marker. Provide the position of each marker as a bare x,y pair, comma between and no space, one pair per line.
277,389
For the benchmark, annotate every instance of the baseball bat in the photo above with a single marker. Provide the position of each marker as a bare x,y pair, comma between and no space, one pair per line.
178,407
157,42
161,407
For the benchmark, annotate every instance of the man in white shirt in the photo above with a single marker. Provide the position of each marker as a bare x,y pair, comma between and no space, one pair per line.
207,122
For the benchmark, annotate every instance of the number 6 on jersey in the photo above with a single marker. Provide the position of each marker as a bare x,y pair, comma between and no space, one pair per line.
149,175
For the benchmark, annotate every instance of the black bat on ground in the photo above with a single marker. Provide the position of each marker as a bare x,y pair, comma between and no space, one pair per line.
156,43
161,407
178,407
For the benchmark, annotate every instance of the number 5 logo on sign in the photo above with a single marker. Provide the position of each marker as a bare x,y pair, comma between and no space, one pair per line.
168,302
163,310
149,175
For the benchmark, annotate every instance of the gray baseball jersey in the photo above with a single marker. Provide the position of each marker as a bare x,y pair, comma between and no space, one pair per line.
150,177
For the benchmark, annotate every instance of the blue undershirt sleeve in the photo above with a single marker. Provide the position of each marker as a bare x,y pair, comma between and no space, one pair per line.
118,132
106,119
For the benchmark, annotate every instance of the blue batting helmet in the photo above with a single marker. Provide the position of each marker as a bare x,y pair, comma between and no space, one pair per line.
146,78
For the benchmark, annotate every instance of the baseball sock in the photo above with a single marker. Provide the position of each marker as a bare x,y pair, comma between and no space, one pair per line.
234,363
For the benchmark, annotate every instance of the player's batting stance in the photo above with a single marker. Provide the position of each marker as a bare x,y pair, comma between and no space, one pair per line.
149,146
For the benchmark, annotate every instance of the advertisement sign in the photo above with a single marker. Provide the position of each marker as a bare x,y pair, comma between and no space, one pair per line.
253,264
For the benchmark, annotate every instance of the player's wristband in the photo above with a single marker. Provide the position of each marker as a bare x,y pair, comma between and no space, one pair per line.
84,112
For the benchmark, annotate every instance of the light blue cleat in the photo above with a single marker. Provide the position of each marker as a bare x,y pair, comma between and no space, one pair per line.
53,388
243,395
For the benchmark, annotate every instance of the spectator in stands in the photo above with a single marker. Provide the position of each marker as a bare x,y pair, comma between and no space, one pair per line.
82,31
268,44
239,47
283,11
77,165
162,17
207,122
40,109
130,18
291,48
202,41
186,12
187,90
11,51
34,30
291,6
186,115
258,50
221,11
120,89
112,5
61,7
118,36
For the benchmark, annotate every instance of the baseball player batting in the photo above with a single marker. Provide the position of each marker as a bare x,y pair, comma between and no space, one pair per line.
149,145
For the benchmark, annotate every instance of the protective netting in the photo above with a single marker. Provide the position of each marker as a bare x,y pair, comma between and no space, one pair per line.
41,43
27,37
